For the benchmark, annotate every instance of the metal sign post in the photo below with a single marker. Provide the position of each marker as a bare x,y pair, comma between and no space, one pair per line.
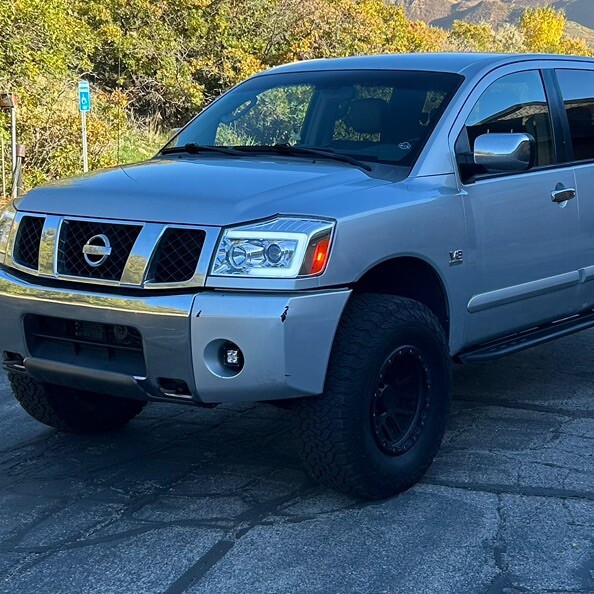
84,105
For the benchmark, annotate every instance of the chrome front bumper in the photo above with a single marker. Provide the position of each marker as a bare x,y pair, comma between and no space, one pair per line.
286,339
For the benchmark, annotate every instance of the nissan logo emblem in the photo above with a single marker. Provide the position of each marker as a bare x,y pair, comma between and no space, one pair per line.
97,250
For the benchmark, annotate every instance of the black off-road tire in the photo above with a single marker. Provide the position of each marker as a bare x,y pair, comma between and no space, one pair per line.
73,411
337,432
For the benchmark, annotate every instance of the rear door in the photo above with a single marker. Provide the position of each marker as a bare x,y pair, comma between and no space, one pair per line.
577,92
523,246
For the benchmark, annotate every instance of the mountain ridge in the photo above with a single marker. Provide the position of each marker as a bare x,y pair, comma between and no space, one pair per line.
442,13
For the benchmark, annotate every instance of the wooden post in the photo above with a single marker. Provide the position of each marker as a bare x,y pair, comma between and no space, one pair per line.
17,182
13,137
9,102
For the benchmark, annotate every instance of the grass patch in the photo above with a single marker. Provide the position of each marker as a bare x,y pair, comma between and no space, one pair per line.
140,145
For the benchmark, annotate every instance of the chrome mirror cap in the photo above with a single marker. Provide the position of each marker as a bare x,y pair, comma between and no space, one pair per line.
503,153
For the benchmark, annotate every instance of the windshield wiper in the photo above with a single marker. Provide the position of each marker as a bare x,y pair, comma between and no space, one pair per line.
288,149
194,149
281,149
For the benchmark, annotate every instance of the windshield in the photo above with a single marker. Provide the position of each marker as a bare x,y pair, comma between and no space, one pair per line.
373,116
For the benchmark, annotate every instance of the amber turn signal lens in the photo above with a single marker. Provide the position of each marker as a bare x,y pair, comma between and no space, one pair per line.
320,256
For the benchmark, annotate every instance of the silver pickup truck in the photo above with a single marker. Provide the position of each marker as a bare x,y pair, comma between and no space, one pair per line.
329,236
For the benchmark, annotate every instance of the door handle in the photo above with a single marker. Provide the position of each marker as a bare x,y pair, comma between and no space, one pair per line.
563,194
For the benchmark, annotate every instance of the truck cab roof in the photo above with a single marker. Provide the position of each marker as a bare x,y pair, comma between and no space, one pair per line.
466,64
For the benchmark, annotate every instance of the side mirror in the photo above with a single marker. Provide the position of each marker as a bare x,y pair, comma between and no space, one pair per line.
504,153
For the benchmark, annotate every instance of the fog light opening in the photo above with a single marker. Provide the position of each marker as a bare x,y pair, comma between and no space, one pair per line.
223,358
231,357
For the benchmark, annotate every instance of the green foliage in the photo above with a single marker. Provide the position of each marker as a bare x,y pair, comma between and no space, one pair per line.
476,37
140,143
50,128
42,37
155,63
151,50
277,117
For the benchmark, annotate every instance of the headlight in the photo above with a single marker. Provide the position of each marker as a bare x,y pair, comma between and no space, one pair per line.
6,221
280,248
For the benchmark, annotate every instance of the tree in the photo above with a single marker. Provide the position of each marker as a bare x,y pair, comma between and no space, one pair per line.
41,37
45,47
476,37
154,63
543,29
151,51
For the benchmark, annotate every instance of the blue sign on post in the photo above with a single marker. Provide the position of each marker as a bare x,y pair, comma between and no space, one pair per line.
84,96
84,105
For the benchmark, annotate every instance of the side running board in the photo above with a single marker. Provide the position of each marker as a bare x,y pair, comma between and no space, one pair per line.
527,339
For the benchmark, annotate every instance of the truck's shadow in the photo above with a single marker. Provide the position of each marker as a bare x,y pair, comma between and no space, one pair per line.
248,451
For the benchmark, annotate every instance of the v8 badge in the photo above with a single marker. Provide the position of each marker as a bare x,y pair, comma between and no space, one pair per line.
456,257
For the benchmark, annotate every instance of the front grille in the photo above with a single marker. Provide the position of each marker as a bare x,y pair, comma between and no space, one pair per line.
177,255
26,247
109,347
75,235
151,255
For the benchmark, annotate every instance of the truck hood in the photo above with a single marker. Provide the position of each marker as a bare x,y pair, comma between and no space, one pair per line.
210,190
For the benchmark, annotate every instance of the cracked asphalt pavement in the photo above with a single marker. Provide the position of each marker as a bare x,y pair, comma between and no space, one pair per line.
195,501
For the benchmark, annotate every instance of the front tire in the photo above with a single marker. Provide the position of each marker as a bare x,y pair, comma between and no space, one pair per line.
73,411
379,423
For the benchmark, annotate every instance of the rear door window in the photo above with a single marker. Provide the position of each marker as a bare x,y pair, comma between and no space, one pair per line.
577,89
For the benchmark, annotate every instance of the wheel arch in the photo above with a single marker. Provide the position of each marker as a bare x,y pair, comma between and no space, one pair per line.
408,276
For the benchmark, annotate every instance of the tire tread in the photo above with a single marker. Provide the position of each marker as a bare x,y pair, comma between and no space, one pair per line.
325,444
72,411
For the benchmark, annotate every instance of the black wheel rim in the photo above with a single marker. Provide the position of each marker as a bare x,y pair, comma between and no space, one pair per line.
400,400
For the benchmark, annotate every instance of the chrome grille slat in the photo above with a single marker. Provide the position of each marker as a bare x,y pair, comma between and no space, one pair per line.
49,245
137,267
